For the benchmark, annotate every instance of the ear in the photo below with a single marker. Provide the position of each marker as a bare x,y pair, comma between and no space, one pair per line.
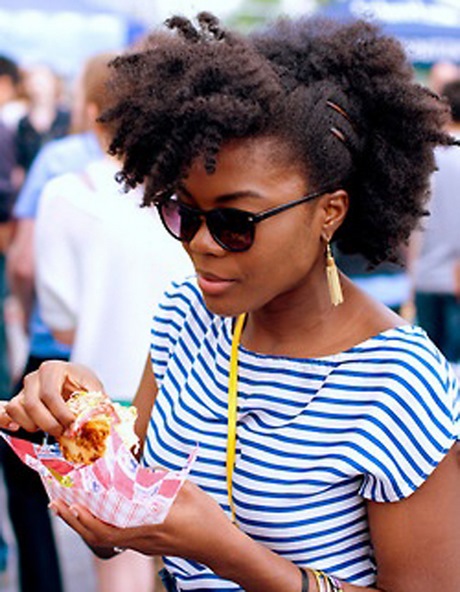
335,209
92,113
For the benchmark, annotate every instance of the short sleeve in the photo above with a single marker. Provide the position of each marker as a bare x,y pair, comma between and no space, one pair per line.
418,414
180,302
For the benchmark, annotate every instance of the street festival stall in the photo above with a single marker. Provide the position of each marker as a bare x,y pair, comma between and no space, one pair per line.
429,29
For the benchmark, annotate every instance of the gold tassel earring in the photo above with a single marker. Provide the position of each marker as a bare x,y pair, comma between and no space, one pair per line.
333,279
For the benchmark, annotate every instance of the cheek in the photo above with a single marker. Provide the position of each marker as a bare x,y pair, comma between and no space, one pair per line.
282,256
286,239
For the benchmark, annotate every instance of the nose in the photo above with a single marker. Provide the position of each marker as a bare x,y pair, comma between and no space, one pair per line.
203,241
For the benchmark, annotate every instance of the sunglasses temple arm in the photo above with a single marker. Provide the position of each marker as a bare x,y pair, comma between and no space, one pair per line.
286,206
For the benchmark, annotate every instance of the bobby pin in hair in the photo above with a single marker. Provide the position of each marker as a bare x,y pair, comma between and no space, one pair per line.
340,110
338,134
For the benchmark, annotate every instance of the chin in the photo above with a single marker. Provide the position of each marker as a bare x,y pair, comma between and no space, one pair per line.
223,308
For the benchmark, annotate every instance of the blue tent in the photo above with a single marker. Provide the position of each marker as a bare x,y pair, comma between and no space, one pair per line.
429,29
62,33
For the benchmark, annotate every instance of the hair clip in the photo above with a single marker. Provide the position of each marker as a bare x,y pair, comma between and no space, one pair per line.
340,110
335,131
338,134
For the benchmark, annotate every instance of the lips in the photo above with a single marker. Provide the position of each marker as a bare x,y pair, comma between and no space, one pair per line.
213,285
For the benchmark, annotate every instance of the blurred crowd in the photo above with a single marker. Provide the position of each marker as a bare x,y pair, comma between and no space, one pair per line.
81,268
82,265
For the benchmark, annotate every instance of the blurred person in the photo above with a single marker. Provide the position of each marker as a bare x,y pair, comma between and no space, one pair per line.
102,263
46,118
70,154
9,184
9,80
442,73
39,569
12,105
9,83
436,248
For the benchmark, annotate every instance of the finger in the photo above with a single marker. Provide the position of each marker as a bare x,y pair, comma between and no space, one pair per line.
41,403
95,532
81,378
63,511
106,533
50,390
39,406
19,415
6,422
58,380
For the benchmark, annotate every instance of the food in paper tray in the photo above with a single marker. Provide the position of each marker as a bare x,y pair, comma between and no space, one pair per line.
106,479
86,439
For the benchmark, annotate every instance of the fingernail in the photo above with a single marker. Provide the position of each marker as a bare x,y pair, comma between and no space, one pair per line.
53,508
13,426
73,510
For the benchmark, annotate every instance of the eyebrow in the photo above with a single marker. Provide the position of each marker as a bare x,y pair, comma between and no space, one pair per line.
225,197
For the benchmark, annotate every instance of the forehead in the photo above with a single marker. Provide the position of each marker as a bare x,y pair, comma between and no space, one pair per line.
246,163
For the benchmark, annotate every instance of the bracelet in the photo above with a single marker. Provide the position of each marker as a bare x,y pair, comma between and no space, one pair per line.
326,583
336,586
322,587
305,580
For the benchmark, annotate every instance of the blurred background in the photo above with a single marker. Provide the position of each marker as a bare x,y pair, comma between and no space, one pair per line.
50,41
62,33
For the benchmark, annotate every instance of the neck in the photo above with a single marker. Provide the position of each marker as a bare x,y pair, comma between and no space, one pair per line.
298,323
311,327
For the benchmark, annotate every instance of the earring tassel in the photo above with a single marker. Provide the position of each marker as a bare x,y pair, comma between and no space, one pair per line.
333,279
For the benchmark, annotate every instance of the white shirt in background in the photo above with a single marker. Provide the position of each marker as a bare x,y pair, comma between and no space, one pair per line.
103,262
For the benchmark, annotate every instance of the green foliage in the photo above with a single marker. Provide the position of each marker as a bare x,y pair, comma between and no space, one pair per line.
252,13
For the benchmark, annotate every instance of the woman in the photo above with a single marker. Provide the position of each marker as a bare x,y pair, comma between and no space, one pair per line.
340,470
45,120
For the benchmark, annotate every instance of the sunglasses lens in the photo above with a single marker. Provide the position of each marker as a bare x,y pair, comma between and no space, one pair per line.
179,221
232,229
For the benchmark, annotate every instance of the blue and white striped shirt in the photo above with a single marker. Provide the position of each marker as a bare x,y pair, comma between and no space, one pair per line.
315,437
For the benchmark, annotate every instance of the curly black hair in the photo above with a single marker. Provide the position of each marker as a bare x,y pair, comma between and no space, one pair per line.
341,98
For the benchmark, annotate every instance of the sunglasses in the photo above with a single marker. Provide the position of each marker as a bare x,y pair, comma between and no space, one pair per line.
231,228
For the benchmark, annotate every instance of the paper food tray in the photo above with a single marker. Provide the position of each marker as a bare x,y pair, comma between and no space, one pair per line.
115,488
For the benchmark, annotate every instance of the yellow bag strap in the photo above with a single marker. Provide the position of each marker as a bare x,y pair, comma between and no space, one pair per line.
232,410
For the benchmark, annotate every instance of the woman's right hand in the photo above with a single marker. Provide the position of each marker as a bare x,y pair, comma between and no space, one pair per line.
41,403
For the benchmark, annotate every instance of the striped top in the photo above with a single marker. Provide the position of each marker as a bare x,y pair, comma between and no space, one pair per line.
315,437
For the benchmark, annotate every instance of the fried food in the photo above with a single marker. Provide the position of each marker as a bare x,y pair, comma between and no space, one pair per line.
95,415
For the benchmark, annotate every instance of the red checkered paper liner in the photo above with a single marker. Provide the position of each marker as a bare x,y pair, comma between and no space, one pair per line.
115,488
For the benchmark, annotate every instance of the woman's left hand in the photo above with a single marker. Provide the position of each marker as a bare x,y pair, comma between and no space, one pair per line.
196,527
